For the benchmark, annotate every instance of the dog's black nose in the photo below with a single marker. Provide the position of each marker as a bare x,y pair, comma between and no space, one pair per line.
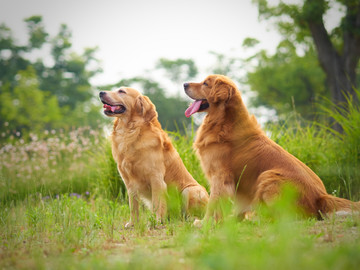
186,86
101,94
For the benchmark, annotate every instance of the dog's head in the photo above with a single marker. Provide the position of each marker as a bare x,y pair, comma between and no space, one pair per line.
214,90
127,102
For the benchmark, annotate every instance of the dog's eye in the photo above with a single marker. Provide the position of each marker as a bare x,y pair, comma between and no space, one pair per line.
121,91
205,84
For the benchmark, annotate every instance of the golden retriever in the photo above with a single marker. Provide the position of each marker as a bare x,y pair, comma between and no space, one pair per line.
231,145
146,159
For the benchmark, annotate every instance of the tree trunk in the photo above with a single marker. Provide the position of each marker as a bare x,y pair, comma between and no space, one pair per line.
340,80
340,68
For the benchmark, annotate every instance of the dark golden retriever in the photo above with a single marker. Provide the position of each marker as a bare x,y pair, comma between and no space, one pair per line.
146,159
231,144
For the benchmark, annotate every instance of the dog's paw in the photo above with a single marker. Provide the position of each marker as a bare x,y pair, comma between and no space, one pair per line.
129,225
198,223
251,216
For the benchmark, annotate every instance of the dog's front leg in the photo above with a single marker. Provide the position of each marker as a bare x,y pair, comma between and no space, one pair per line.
134,209
158,193
222,186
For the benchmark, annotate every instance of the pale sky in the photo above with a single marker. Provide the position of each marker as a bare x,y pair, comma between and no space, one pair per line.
132,35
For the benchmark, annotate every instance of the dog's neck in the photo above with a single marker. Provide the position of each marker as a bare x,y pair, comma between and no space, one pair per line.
226,119
233,111
131,127
125,127
119,125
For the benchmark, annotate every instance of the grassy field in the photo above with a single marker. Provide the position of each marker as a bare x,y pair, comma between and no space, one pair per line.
78,233
63,206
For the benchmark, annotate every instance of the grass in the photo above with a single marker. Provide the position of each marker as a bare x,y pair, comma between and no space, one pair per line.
63,206
78,233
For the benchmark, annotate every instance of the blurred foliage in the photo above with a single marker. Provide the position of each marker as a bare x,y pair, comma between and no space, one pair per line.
286,81
49,92
226,65
250,42
27,107
291,19
178,70
37,33
303,24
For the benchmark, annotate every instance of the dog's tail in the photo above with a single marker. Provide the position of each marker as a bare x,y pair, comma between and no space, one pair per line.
328,204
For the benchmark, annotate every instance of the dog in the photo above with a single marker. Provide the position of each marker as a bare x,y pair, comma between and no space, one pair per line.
146,159
242,163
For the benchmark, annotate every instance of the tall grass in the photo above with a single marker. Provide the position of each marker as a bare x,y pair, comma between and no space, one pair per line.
348,117
183,144
333,155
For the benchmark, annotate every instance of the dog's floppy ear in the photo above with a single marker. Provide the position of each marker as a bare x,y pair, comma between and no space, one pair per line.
145,108
221,91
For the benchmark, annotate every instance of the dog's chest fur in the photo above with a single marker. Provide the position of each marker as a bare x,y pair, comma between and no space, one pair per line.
132,150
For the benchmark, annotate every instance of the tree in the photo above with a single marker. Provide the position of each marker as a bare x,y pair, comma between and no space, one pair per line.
69,77
286,80
338,51
62,87
27,107
179,70
11,59
37,34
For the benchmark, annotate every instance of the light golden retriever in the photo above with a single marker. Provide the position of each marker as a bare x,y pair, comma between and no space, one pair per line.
241,162
146,159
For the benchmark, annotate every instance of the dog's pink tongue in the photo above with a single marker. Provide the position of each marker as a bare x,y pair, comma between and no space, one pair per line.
111,108
193,108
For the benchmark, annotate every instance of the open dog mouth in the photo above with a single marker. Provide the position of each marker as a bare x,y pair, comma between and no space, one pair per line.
113,109
197,106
